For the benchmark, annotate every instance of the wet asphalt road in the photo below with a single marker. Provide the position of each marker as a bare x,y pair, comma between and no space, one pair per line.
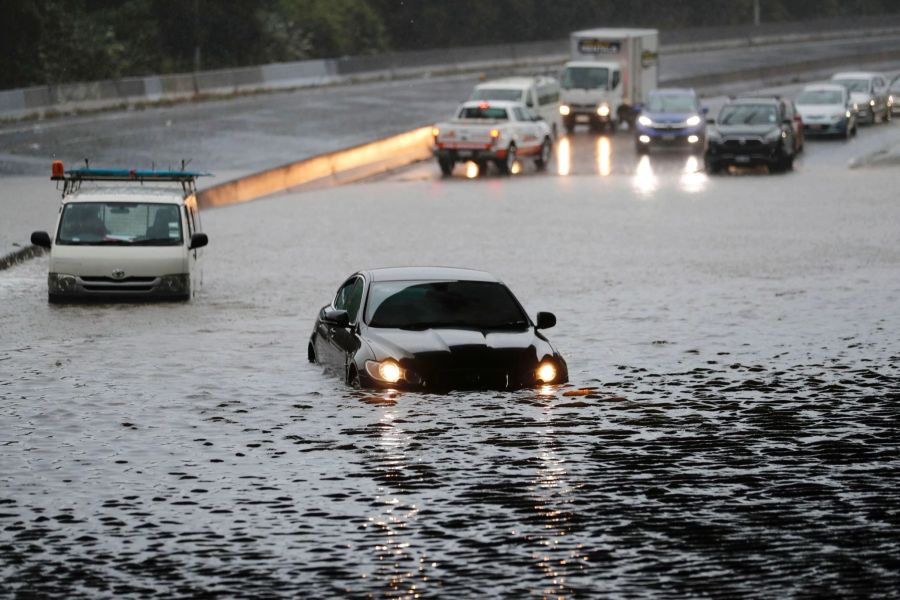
730,429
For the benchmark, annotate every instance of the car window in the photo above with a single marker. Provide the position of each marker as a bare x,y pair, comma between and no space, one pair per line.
456,304
349,297
520,114
748,114
483,112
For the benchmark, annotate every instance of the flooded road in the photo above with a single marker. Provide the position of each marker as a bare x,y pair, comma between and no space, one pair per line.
730,429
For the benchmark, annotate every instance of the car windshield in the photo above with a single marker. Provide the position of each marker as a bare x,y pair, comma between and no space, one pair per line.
854,85
120,223
586,78
673,103
497,94
895,85
443,304
483,112
820,97
748,114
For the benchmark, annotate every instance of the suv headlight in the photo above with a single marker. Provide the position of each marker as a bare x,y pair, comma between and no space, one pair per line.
645,120
693,121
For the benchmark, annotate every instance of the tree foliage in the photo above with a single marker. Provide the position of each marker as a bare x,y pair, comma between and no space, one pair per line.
56,41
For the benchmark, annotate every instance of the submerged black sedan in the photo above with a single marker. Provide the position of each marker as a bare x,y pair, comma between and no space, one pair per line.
433,328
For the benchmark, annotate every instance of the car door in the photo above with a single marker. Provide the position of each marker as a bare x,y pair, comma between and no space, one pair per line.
334,344
528,131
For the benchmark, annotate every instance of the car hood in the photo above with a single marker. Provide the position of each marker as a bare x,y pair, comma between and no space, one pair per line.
457,345
754,130
668,117
820,110
860,97
135,261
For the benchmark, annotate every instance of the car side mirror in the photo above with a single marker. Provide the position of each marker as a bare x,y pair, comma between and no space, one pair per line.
198,240
40,238
545,320
336,317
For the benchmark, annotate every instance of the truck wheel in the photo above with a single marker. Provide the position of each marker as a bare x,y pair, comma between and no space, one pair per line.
446,165
543,158
569,124
506,166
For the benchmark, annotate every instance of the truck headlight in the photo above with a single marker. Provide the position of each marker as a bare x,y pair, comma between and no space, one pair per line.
564,110
645,120
603,110
60,283
387,370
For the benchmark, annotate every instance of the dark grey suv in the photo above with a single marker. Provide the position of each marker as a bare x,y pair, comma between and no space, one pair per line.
752,132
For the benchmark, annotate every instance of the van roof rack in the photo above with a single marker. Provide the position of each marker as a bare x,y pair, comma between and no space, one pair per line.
73,178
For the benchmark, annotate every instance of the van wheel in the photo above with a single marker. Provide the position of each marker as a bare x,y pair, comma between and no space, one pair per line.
543,158
446,165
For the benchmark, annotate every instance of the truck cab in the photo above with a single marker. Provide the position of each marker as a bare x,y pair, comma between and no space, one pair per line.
590,91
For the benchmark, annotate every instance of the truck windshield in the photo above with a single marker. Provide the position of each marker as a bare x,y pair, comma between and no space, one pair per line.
585,78
443,304
497,94
671,103
120,223
483,112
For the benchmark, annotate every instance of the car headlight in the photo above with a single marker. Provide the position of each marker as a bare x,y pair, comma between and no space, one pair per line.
774,135
603,110
60,283
387,371
175,283
564,110
871,103
645,120
546,372
693,121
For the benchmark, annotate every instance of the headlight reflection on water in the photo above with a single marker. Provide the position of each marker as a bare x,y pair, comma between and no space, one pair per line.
644,179
693,177
564,156
604,156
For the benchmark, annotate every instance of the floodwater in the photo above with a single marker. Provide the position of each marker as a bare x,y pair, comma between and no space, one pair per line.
730,429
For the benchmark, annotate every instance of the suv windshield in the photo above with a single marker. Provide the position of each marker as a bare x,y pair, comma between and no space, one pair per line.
497,94
585,78
854,85
448,304
679,103
123,223
820,97
748,114
477,112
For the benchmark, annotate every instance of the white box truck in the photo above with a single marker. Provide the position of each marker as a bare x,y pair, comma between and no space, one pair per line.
610,74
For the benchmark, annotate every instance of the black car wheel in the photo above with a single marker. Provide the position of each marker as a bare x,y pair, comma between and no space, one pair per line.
543,158
712,166
446,165
641,148
506,165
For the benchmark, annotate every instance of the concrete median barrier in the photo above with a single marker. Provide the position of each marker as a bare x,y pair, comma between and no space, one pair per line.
334,168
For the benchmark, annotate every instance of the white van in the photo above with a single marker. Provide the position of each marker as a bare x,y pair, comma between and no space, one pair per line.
124,235
540,94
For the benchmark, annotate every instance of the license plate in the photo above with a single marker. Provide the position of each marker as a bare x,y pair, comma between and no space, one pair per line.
816,126
464,153
742,159
582,119
669,137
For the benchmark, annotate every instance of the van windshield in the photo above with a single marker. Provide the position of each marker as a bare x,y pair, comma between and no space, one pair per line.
585,78
120,223
498,94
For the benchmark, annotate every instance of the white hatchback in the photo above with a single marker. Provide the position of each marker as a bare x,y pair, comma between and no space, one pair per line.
134,241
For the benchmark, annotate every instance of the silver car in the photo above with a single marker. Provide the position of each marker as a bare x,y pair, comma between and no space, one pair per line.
869,94
826,109
894,95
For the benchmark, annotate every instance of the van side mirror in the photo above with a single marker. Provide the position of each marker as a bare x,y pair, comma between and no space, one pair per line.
198,240
338,318
40,238
545,320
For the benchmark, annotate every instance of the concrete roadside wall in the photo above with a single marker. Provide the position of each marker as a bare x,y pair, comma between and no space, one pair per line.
65,98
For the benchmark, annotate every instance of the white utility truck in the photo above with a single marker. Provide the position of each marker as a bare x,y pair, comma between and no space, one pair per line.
610,73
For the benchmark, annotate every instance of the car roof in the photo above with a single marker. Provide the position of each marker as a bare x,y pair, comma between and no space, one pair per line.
428,273
755,100
119,193
855,75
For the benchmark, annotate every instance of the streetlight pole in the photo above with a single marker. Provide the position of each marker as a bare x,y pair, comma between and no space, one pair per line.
756,13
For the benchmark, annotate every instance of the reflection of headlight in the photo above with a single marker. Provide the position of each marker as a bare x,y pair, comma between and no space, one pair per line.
174,283
387,371
693,121
645,120
603,110
61,282
564,110
546,372
774,135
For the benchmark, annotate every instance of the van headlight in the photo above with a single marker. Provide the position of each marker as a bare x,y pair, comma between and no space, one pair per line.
693,121
603,110
174,283
60,283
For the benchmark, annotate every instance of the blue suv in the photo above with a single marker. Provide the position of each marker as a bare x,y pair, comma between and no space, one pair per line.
671,117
